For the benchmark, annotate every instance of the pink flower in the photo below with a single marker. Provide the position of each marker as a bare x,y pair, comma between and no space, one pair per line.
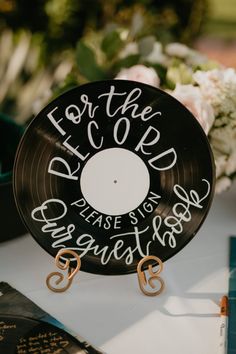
140,73
192,98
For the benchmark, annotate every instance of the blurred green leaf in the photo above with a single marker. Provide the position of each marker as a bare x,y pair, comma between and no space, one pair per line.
136,25
87,64
127,62
209,65
179,75
146,45
160,69
111,44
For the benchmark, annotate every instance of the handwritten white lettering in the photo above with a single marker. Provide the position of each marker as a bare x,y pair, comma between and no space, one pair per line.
166,231
129,104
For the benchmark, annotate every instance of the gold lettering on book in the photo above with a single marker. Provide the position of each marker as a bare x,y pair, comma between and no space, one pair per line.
43,343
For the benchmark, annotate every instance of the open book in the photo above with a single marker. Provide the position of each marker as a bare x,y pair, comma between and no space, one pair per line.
21,321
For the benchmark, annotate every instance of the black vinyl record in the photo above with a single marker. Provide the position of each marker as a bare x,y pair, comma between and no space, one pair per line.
22,335
114,170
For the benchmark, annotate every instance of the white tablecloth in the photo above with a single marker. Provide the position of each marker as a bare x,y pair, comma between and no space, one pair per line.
112,313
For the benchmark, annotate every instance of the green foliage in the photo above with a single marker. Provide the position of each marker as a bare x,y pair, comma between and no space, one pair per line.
69,83
111,44
161,70
87,65
180,74
63,22
115,50
127,62
146,44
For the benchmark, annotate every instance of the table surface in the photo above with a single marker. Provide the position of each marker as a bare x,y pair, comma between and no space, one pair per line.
112,313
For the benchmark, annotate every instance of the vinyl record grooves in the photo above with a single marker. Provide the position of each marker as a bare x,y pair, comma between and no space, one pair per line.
114,170
21,335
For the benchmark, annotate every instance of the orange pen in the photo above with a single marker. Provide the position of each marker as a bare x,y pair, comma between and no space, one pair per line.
224,313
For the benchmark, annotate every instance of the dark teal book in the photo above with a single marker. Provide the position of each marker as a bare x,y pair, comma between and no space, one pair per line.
18,314
232,298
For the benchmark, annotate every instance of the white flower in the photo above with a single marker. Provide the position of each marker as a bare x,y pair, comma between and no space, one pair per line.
231,164
156,55
178,50
218,87
220,163
223,139
140,73
223,143
222,184
192,99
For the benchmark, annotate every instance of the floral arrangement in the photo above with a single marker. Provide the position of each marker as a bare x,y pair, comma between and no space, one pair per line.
205,87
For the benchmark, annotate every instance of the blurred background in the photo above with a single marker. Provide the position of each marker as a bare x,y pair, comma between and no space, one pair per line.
39,40
50,46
